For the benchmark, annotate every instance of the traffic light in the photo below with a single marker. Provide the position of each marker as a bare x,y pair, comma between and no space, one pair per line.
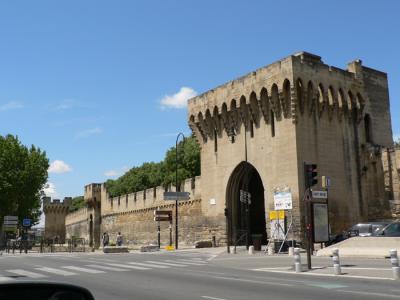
310,174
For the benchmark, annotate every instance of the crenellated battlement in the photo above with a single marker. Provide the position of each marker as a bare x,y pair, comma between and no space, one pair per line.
56,206
297,85
149,198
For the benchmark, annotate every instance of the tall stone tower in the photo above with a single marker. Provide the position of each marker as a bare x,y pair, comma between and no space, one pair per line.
55,212
92,198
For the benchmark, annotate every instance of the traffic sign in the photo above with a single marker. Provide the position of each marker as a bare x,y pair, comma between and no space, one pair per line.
176,196
320,194
10,220
26,222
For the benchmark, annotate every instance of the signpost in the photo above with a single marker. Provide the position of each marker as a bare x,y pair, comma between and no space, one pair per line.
319,194
26,222
283,200
162,216
10,223
173,196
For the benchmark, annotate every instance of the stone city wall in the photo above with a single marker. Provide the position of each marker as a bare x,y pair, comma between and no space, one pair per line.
76,224
133,214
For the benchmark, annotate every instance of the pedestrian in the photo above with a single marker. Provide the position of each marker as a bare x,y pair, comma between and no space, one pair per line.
106,239
119,239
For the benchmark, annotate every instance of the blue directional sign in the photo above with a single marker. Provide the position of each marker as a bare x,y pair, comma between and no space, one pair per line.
26,222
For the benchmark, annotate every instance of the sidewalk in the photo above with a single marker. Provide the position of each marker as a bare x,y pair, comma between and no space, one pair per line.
351,267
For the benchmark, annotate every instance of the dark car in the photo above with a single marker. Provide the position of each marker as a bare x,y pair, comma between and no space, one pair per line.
359,229
393,229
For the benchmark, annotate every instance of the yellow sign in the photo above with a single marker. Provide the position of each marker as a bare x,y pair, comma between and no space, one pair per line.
276,214
169,248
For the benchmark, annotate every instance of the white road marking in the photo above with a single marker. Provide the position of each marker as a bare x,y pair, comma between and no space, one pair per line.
26,273
379,295
55,271
85,270
107,268
185,263
193,261
165,263
321,274
127,266
212,298
149,265
354,268
252,281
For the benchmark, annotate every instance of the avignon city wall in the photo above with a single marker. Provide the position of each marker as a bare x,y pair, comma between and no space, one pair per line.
255,134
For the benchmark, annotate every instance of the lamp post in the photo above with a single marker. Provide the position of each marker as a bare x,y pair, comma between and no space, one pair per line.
176,187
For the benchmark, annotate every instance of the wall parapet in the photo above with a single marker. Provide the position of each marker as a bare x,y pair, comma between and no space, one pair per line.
76,216
149,198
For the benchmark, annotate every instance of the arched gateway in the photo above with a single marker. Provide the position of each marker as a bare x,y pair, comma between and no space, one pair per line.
245,218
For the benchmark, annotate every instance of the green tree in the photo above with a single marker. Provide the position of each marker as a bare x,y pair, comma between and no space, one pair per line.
23,174
152,174
77,203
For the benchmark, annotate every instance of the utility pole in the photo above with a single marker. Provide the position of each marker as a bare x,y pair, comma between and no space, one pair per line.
176,187
310,179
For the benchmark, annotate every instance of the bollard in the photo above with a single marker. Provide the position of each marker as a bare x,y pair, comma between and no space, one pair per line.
297,260
251,250
291,251
336,262
270,250
233,250
395,264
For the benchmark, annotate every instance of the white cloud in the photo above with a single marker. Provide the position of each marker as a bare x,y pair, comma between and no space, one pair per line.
396,137
11,106
59,166
67,104
115,173
179,99
88,132
50,190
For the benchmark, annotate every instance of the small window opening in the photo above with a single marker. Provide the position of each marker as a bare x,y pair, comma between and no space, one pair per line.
272,124
367,127
251,129
126,201
119,201
215,141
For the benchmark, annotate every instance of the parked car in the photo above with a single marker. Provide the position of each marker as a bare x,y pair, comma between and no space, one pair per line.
393,229
359,229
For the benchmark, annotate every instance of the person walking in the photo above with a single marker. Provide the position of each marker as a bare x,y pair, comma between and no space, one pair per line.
106,239
119,239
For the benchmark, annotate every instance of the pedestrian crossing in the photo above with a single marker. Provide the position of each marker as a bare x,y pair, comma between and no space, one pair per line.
96,267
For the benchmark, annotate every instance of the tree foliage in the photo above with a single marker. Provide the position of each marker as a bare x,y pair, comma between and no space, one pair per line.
23,174
152,174
77,203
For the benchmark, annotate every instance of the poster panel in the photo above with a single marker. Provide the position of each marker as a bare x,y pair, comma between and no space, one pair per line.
321,222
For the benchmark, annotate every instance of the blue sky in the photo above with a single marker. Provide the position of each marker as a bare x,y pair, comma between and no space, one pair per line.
84,80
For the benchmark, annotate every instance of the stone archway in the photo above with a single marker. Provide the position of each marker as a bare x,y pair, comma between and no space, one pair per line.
240,221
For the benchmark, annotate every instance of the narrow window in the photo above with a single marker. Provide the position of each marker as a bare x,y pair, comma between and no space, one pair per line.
272,124
119,201
367,127
215,141
126,201
112,202
251,129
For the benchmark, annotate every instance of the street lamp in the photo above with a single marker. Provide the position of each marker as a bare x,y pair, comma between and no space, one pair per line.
176,187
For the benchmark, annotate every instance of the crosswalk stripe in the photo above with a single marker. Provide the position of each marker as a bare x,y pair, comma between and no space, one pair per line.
26,273
81,269
128,266
184,262
149,265
107,268
193,261
55,271
165,263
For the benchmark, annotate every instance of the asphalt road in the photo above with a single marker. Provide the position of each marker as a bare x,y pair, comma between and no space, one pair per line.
188,275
